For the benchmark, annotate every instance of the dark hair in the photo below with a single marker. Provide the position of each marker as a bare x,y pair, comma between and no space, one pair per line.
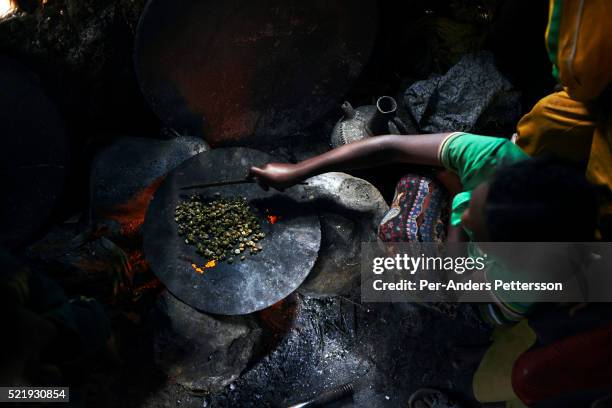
541,200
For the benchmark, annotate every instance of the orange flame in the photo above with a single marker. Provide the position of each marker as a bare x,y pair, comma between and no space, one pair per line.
272,219
131,214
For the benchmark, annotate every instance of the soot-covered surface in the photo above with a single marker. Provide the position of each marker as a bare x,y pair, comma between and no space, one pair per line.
250,72
387,350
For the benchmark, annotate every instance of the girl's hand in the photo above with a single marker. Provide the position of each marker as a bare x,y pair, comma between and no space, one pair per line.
276,175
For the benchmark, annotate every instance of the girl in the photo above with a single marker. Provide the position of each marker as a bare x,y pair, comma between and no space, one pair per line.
498,194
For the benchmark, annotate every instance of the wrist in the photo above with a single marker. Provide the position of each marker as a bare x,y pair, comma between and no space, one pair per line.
303,170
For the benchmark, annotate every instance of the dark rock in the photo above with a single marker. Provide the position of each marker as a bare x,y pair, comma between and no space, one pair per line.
350,209
202,352
132,164
317,353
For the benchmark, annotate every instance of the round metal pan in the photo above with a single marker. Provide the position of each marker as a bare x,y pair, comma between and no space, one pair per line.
290,247
238,72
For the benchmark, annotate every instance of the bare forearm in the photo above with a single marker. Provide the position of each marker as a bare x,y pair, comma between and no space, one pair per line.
376,151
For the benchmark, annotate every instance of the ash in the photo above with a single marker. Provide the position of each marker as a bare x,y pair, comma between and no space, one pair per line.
387,351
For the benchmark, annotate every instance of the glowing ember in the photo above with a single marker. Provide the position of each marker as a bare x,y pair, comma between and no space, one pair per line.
7,7
272,219
200,269
148,287
131,214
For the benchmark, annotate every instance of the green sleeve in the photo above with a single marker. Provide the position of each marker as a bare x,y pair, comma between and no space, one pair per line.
474,159
459,205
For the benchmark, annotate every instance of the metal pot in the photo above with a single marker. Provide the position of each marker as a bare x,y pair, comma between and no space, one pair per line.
366,121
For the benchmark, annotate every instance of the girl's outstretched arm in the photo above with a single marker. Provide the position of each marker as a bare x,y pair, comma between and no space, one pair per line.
371,152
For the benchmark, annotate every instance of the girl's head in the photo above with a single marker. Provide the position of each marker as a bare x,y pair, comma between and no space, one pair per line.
535,200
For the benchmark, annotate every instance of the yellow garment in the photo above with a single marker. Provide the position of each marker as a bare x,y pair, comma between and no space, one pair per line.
565,127
599,170
559,125
493,379
579,43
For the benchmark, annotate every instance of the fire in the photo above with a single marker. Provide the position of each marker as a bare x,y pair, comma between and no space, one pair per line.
272,219
131,214
7,7
200,269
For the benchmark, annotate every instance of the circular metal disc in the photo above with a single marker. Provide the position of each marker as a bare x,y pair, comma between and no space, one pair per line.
244,71
290,247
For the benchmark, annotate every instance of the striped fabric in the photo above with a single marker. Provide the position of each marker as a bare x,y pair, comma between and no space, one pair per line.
552,34
579,44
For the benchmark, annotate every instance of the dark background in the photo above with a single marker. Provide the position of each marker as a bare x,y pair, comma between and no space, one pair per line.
82,52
